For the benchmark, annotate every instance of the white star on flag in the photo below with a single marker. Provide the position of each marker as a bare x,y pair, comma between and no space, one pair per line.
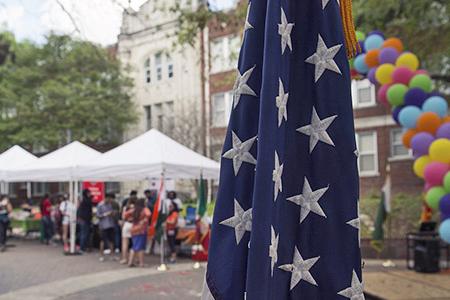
241,87
284,30
325,2
240,152
248,25
241,221
317,130
276,177
273,248
309,201
356,223
355,291
281,103
300,269
323,59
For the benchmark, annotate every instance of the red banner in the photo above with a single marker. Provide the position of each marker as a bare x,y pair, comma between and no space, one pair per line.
97,190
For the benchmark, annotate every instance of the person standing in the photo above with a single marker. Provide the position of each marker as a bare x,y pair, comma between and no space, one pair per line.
172,198
172,230
47,223
105,214
140,217
117,229
151,197
85,219
66,208
5,210
127,224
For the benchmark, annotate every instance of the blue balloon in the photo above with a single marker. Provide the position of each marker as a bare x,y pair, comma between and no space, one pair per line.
360,65
373,41
436,104
444,231
408,116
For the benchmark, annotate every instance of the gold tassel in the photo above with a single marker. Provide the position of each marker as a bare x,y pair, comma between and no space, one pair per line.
351,43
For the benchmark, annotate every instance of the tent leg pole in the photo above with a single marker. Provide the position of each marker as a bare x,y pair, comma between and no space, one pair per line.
29,190
163,266
2,187
73,223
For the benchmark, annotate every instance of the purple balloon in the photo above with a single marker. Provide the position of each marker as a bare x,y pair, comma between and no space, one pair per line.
396,112
421,142
371,75
444,217
388,56
444,205
416,97
444,131
379,32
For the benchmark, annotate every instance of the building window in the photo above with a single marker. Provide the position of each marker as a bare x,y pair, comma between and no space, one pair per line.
363,93
147,70
159,116
397,147
169,67
221,108
368,153
158,66
148,116
224,53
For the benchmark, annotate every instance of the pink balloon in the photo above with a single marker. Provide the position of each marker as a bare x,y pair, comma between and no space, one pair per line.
435,173
402,75
382,94
428,186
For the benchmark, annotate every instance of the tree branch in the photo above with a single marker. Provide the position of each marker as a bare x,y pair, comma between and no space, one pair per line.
72,19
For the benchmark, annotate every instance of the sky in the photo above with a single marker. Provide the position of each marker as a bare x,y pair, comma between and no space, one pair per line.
98,20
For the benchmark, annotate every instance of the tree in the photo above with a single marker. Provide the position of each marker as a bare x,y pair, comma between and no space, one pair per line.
422,25
63,90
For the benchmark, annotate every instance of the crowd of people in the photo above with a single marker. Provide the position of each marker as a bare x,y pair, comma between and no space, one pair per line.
119,229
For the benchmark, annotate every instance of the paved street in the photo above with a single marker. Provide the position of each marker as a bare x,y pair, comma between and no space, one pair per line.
31,270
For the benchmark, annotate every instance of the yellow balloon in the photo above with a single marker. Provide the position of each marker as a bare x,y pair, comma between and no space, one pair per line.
440,150
420,165
408,60
384,73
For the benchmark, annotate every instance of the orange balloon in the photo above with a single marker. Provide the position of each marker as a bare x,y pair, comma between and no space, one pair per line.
371,58
446,119
429,122
394,43
407,137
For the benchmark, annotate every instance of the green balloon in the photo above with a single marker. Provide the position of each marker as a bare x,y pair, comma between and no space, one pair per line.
360,36
434,196
350,62
421,81
396,94
447,182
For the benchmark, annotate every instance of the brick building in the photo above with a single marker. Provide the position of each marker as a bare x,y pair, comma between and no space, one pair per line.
379,139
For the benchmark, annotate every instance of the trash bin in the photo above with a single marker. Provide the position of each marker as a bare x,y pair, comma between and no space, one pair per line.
426,247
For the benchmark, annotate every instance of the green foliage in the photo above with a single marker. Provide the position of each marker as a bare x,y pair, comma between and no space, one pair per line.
423,26
404,216
63,89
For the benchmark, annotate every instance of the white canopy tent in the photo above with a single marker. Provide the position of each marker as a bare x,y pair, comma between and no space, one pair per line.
10,160
58,166
148,156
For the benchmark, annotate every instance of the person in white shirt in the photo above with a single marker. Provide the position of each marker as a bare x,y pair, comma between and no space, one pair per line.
67,209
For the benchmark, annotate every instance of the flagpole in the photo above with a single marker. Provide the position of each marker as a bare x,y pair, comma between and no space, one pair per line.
162,267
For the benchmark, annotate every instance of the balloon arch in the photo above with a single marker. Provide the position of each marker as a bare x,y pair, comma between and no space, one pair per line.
422,112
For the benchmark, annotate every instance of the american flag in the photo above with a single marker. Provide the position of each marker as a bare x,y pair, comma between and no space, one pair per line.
286,222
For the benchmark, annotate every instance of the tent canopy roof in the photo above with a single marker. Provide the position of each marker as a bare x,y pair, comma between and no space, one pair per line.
57,166
15,157
148,156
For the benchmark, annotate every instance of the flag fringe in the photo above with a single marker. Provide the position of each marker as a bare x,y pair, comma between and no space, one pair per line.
351,43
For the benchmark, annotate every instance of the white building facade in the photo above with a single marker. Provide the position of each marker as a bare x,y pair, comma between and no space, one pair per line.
167,77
